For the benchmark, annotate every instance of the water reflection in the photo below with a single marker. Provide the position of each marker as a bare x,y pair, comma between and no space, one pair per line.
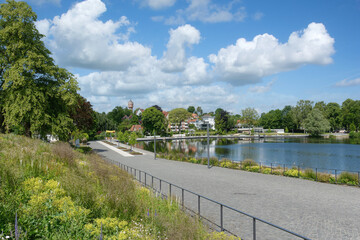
303,152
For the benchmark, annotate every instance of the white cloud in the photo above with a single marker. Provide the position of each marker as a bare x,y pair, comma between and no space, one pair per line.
196,71
78,38
41,2
174,59
206,11
262,89
258,16
158,4
348,82
248,61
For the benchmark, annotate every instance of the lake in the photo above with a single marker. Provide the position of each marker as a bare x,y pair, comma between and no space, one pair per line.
304,152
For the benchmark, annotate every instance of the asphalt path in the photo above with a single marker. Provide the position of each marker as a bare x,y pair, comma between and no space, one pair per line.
312,209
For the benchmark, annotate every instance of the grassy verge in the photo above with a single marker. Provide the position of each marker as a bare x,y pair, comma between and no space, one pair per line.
53,192
252,166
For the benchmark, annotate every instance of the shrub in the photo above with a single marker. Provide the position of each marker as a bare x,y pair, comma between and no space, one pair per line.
214,161
266,170
348,178
253,168
309,174
248,163
292,173
325,177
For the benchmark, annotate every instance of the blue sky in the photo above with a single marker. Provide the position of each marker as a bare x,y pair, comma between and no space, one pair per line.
229,54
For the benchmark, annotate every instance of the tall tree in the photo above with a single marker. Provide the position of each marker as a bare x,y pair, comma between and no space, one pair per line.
223,121
199,111
118,113
333,114
300,112
350,111
316,123
287,119
178,115
272,119
83,114
191,109
153,120
36,94
250,116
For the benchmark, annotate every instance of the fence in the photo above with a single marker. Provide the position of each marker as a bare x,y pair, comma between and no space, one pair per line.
318,171
160,186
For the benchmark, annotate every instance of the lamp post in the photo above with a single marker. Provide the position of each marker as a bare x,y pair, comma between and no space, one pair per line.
154,145
208,153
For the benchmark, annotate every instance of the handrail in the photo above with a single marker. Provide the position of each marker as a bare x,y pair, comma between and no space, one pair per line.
126,168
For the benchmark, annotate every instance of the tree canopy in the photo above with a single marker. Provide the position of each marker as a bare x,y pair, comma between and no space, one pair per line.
191,109
35,93
178,115
315,123
153,120
250,116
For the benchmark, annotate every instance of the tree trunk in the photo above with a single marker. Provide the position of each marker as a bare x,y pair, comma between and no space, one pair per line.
27,129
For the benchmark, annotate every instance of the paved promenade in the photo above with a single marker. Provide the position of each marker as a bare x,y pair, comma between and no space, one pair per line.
315,210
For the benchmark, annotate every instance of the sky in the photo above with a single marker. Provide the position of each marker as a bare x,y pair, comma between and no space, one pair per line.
229,54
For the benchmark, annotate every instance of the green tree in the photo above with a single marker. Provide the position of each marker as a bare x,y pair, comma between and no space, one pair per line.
321,106
117,114
199,111
287,119
250,116
153,120
316,123
300,112
223,121
178,115
125,125
350,111
36,94
103,123
132,140
191,109
272,119
352,127
333,114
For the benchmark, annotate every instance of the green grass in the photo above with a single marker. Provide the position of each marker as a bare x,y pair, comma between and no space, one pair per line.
60,193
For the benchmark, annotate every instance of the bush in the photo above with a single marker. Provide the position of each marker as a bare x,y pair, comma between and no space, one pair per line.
348,178
266,170
248,163
325,177
292,173
309,174
253,168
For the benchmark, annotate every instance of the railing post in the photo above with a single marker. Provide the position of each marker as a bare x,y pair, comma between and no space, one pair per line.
169,190
254,229
298,171
316,174
152,181
335,176
221,218
160,186
139,176
271,168
182,197
284,169
145,179
199,205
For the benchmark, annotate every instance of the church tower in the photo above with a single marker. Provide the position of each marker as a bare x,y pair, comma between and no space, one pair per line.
130,105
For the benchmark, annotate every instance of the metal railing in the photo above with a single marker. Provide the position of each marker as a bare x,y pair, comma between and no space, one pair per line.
149,181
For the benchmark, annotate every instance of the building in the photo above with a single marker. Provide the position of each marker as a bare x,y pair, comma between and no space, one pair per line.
208,119
136,128
130,105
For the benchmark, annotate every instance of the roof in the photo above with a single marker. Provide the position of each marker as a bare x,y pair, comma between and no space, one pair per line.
135,128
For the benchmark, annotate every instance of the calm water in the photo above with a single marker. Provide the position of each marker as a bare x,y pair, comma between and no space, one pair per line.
307,153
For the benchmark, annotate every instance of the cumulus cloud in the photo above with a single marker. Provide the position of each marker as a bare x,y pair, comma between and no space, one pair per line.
262,89
248,61
174,59
78,38
206,11
348,82
157,4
